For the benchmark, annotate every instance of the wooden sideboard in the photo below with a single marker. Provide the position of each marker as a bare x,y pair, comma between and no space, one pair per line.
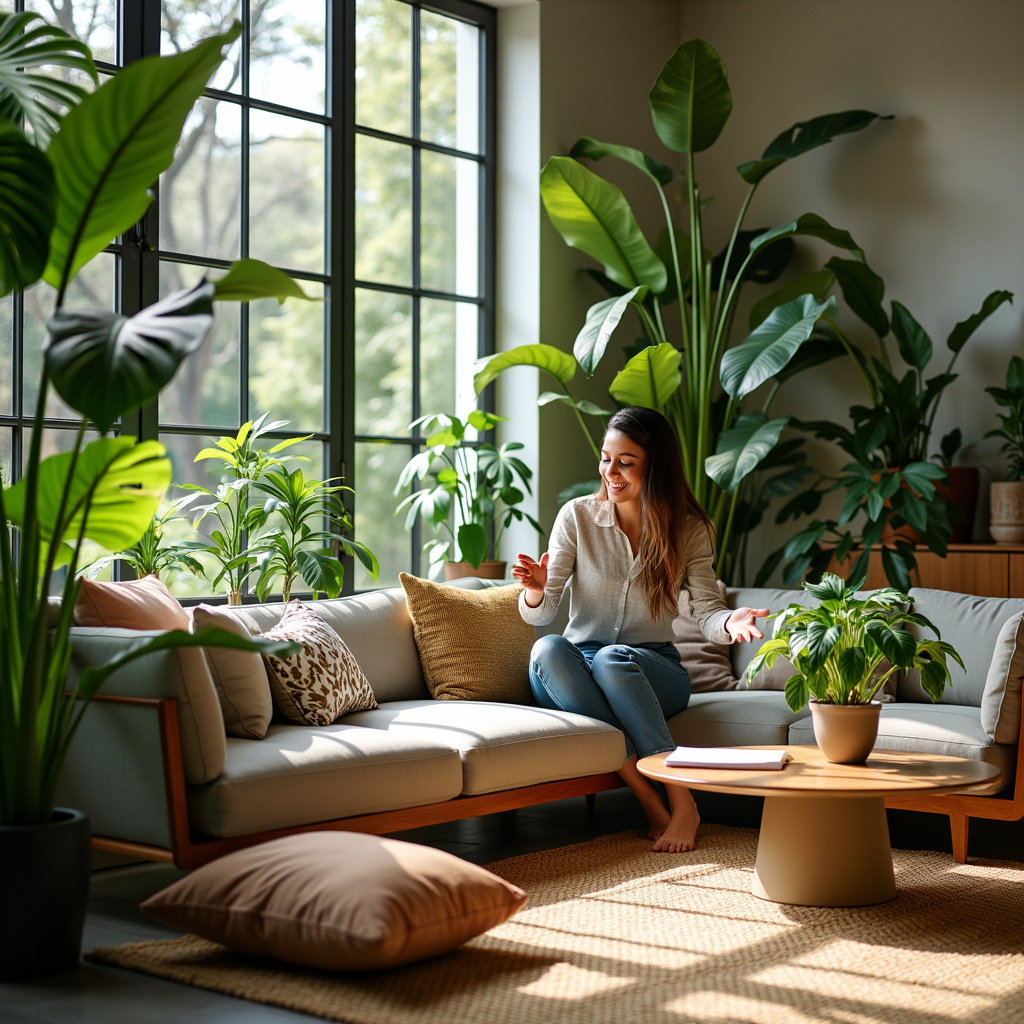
988,570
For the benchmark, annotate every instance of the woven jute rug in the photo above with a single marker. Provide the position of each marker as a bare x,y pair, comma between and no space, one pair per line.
614,934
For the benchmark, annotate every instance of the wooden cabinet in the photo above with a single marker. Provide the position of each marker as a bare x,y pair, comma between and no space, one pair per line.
988,570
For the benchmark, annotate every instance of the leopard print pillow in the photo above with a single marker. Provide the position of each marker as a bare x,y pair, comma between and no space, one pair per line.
322,681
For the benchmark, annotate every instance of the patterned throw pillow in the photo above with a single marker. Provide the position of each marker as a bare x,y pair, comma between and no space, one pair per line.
322,681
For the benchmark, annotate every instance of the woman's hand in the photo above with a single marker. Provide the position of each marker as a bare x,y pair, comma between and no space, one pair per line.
532,576
741,625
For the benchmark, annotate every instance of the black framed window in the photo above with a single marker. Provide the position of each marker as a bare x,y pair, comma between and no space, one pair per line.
349,142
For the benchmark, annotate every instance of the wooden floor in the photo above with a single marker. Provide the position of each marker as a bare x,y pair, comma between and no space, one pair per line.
104,995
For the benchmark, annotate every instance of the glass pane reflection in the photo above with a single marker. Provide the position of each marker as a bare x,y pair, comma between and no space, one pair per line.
378,467
383,211
449,82
287,55
383,363
384,65
449,224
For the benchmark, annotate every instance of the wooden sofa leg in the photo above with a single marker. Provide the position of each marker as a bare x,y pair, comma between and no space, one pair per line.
958,830
589,800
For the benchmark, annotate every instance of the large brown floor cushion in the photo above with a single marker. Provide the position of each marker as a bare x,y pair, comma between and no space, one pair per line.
734,718
504,746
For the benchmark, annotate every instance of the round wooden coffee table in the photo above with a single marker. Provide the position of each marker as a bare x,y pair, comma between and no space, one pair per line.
824,839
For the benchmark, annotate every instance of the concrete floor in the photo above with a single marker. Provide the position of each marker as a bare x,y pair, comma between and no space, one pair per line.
104,995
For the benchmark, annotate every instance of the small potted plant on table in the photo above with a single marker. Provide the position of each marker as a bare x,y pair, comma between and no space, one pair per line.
1007,496
843,651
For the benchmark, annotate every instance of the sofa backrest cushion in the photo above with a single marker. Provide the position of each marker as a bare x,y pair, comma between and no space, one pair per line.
972,625
708,664
742,654
1001,702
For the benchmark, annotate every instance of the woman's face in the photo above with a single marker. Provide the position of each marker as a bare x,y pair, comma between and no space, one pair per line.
621,467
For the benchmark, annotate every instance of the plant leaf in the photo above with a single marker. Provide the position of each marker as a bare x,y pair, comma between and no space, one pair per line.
593,215
585,407
473,543
115,144
321,571
602,319
816,284
104,365
27,203
963,330
863,291
741,448
551,360
659,173
813,226
690,100
650,378
250,279
914,344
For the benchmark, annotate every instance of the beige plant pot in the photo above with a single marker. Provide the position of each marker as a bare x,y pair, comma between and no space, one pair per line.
487,570
845,733
1006,518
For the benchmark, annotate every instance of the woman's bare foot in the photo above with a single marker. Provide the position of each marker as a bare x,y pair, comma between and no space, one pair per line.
681,832
654,809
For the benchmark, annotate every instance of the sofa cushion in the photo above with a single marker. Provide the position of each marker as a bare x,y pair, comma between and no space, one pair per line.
734,718
322,681
298,775
338,901
473,645
1001,701
933,729
971,624
239,676
707,663
504,746
133,604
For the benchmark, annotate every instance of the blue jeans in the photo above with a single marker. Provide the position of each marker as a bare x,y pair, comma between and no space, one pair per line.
634,689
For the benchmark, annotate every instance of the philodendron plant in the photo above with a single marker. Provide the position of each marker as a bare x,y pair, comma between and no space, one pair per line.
700,388
70,185
846,648
1011,429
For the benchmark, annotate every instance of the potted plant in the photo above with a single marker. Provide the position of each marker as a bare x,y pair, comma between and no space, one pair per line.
843,651
474,493
960,492
1007,497
701,384
71,186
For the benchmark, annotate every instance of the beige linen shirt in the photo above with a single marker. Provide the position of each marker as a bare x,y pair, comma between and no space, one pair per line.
589,554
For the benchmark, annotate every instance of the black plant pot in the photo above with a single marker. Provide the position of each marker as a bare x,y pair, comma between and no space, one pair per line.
44,888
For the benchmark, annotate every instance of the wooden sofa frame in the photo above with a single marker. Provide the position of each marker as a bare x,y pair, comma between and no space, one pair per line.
188,851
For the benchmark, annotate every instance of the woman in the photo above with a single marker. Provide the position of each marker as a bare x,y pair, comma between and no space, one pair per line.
625,553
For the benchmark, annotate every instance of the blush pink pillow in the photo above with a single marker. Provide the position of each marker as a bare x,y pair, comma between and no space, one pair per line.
133,604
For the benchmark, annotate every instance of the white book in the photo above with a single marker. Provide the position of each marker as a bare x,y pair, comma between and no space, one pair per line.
727,757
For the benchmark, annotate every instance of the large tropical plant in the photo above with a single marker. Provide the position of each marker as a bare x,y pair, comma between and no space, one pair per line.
702,384
63,199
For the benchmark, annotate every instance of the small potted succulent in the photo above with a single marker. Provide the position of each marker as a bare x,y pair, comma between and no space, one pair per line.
1007,496
843,651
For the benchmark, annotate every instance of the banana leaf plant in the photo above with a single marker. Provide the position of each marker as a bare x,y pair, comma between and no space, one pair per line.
845,648
66,192
703,385
889,492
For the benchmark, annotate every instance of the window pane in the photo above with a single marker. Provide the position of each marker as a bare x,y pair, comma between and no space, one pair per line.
286,214
378,467
286,62
94,22
6,448
383,363
185,23
200,195
92,288
383,211
205,390
449,82
286,360
449,224
448,349
7,356
384,65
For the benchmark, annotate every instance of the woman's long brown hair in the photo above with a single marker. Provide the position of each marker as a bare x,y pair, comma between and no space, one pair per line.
667,505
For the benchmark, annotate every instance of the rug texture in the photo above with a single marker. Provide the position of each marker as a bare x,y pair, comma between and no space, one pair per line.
614,934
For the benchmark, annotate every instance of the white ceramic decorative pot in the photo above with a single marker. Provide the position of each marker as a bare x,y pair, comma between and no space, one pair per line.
845,733
1006,521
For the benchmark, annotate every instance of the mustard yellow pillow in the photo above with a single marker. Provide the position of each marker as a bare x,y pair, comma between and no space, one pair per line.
473,644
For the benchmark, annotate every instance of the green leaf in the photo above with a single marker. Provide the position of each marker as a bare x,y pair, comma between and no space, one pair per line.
602,319
28,96
659,173
593,215
813,226
115,144
650,378
863,291
914,344
797,692
105,365
851,666
830,588
963,330
472,543
321,571
741,448
249,279
897,644
585,407
27,203
821,639
690,101
816,284
805,136
771,346
551,360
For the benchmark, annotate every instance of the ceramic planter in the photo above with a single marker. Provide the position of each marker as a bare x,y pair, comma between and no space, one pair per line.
44,889
487,570
961,491
1006,522
845,733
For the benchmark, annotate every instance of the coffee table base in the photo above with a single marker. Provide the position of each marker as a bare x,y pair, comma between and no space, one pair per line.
824,852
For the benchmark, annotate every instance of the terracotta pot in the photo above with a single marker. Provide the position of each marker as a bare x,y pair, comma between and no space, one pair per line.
487,570
845,733
961,491
1006,520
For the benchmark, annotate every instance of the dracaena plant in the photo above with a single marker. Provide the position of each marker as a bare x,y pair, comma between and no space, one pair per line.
71,182
846,648
1011,430
728,440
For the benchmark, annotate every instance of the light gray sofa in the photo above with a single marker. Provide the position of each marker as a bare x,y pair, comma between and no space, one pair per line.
159,778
